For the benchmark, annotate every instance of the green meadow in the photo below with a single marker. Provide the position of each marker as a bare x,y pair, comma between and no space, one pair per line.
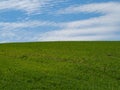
60,66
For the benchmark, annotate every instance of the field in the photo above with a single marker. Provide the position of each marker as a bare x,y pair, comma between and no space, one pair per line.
60,66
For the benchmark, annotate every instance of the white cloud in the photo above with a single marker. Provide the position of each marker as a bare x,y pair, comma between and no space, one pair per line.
25,24
28,6
103,27
93,33
93,7
21,30
78,38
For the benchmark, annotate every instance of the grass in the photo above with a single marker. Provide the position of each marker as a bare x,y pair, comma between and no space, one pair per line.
60,66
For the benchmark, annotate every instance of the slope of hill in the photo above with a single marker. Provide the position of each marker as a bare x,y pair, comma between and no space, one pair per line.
60,66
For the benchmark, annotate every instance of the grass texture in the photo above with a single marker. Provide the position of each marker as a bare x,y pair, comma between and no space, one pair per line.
60,66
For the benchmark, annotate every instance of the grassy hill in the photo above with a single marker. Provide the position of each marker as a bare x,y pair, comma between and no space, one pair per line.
60,66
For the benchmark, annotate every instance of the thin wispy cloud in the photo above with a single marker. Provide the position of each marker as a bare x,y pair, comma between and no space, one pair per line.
13,29
27,24
28,6
104,8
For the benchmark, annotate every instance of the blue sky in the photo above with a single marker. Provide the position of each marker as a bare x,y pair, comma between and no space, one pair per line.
59,20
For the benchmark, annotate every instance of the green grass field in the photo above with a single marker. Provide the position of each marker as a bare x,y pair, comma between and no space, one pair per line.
60,66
